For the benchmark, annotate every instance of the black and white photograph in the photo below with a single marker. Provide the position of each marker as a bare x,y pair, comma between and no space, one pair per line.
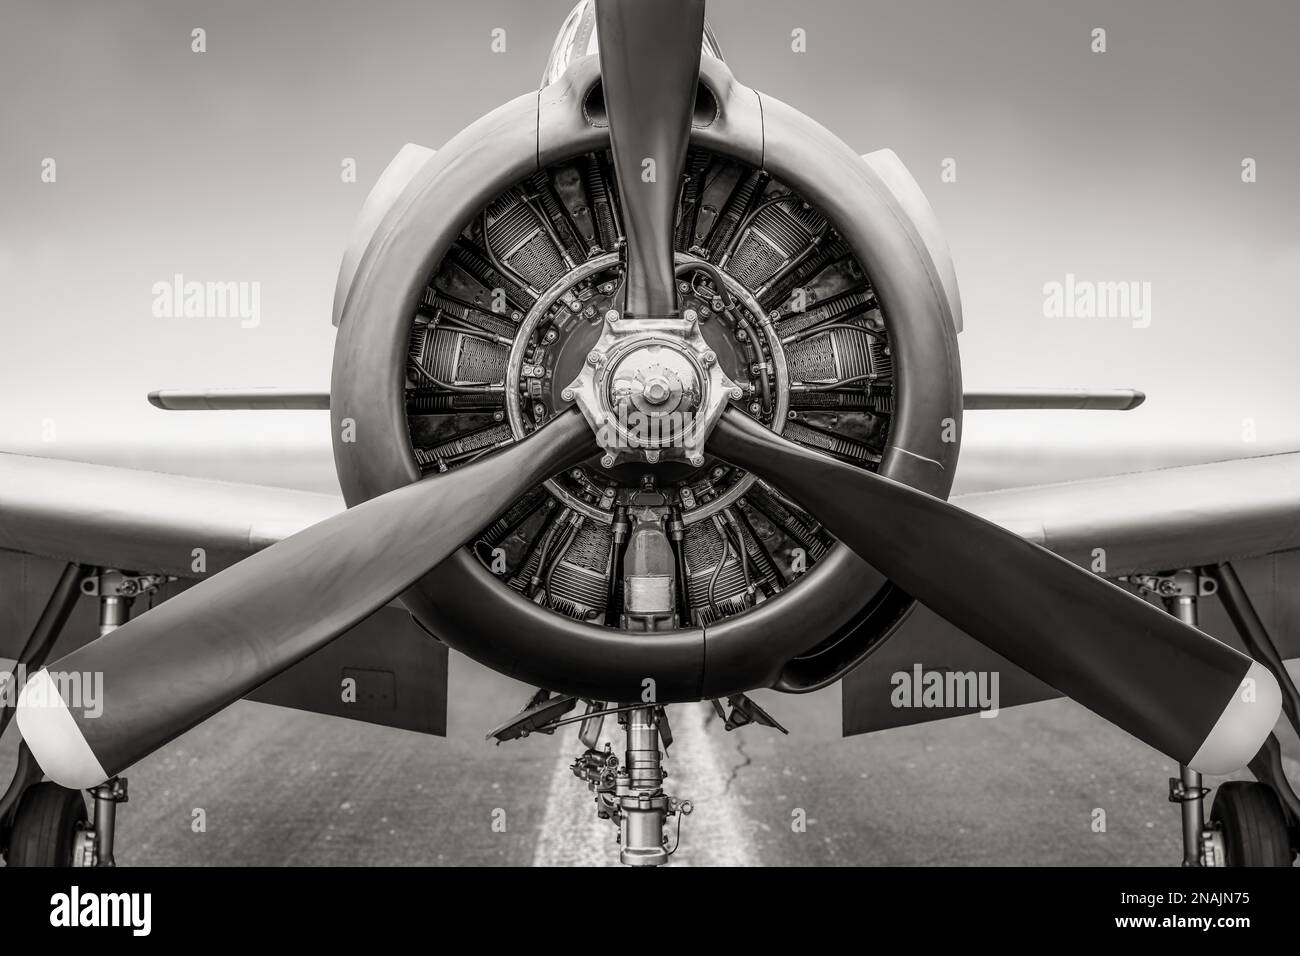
750,435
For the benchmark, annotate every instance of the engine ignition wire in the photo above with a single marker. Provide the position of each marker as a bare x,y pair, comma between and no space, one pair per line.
570,533
717,572
472,388
832,386
808,333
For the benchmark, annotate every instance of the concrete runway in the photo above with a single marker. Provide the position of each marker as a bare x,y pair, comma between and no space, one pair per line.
279,787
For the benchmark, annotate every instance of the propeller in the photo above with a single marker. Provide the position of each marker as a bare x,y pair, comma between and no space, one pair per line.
186,659
649,67
1201,702
1170,685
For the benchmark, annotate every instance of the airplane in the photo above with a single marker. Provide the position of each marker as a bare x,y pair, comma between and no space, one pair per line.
646,391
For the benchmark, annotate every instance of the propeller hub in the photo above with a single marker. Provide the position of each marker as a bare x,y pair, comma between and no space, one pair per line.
656,380
656,391
657,394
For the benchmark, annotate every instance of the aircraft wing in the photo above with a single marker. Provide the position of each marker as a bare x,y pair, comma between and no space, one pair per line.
1246,511
54,511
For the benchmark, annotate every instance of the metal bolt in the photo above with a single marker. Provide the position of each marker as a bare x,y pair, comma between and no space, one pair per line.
709,356
498,415
717,303
607,461
652,455
683,287
575,306
737,392
697,460
690,315
611,315
755,407
567,394
595,357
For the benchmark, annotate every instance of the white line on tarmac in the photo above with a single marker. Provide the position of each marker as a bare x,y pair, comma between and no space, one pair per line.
700,761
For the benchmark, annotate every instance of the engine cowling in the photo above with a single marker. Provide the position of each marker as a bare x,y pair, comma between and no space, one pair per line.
468,305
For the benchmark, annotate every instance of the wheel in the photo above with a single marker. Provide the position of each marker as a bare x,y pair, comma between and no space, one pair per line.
46,825
1254,829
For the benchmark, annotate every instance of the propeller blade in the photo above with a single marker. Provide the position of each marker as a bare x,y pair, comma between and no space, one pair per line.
1170,685
186,659
649,66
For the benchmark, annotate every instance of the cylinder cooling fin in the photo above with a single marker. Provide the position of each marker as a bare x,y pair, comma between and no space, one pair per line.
512,311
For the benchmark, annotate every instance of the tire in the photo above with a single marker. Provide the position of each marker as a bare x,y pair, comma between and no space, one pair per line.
46,825
1253,825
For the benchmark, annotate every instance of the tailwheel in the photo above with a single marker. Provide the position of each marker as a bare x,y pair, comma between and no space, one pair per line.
1248,822
48,824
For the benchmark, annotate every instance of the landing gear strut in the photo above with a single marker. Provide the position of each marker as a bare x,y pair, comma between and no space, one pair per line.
632,796
1251,824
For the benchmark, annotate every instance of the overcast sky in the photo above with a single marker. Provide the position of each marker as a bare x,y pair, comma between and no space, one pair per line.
224,166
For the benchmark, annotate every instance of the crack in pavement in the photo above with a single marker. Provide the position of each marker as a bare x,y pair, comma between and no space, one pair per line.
710,717
735,770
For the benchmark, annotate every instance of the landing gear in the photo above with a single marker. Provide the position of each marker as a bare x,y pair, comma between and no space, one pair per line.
95,845
633,797
1248,824
629,794
41,823
1251,824
49,824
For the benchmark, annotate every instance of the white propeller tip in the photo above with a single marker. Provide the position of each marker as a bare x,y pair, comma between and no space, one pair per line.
1244,725
53,736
